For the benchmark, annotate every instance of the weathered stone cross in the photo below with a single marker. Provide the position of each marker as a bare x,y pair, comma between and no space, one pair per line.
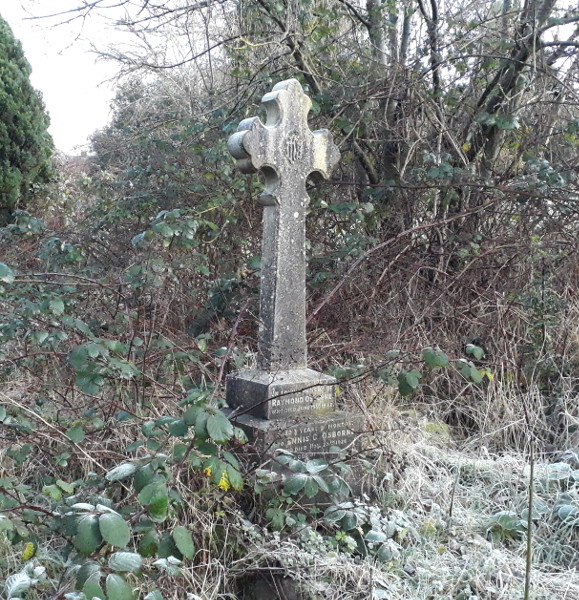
282,402
287,152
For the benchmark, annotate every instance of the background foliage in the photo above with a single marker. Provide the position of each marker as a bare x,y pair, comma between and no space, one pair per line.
25,145
442,292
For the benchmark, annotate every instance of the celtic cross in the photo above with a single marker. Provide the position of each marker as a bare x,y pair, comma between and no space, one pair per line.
287,152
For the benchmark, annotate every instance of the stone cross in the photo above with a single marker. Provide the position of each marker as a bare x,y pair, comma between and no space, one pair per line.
282,402
286,152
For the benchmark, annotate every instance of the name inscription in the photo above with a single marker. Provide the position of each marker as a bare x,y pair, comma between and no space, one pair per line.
312,438
301,403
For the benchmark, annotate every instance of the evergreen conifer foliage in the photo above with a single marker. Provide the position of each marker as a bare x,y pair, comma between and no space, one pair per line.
25,144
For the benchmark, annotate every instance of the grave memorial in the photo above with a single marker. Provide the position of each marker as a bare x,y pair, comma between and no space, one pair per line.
283,402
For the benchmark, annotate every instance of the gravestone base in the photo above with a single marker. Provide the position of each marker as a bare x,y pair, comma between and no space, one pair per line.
311,437
283,394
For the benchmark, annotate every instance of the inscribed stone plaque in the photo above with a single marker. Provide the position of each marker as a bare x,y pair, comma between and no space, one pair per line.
303,437
282,395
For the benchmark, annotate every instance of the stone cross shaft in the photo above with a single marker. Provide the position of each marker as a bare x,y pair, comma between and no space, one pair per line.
286,152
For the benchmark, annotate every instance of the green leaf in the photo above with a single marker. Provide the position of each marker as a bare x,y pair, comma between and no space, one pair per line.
6,273
121,471
177,428
167,547
118,589
375,537
154,595
114,529
149,544
322,484
295,483
191,414
476,351
92,588
313,467
5,524
78,358
201,424
219,427
184,541
408,381
3,413
469,371
90,383
234,476
56,307
125,561
66,487
568,512
88,537
311,487
75,434
89,570
435,357
155,497
507,122
143,476
476,375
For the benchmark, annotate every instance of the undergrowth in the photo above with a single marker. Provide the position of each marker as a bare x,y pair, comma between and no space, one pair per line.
122,478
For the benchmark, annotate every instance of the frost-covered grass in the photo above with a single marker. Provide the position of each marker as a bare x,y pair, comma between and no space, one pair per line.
460,509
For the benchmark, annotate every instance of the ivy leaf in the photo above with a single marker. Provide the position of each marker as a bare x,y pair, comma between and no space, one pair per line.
219,427
118,589
435,357
184,541
114,529
6,273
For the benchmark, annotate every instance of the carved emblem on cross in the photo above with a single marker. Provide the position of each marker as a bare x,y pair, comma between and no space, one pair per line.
286,151
284,148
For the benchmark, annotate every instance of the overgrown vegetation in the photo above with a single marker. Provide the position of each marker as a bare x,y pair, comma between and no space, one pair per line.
442,293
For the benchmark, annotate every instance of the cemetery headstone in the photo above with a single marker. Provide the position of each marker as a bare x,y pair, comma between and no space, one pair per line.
283,402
